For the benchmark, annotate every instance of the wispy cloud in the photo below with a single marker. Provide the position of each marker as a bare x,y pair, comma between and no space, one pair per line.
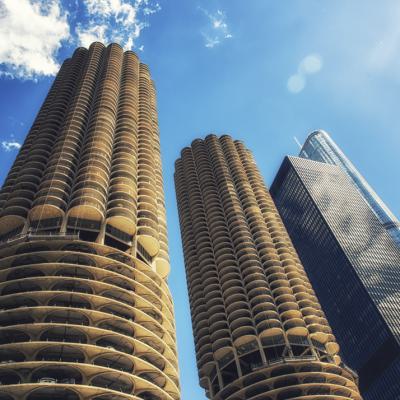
9,145
217,29
90,34
15,122
384,55
31,33
309,65
120,21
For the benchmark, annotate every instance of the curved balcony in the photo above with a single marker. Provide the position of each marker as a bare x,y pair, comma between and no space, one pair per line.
88,307
148,236
86,209
123,220
11,223
52,209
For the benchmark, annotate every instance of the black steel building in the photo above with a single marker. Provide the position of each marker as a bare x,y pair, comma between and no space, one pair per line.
353,265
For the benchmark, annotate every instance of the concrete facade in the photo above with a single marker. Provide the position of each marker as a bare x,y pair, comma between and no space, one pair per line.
85,310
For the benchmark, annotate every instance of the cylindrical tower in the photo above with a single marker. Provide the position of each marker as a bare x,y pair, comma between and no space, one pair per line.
85,309
259,330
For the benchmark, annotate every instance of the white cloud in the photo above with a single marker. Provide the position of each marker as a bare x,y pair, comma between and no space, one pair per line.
211,42
31,33
217,30
10,145
88,35
118,21
309,65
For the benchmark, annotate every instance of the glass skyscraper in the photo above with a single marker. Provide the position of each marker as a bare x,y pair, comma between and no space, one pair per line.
353,265
319,146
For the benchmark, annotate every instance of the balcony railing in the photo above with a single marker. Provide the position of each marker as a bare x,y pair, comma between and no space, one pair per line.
143,253
119,235
30,236
81,223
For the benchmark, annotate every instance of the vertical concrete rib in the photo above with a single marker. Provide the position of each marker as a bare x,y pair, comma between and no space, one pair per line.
147,184
162,261
259,330
89,194
85,310
199,255
122,197
54,195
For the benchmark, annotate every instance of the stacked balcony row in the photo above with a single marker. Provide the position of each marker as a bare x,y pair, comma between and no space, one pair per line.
23,180
82,316
91,161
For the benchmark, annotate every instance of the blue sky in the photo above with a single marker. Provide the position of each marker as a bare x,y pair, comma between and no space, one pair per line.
264,71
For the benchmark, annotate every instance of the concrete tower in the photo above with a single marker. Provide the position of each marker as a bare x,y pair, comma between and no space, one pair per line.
85,310
259,330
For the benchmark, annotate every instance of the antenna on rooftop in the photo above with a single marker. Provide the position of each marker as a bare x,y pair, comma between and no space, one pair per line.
297,142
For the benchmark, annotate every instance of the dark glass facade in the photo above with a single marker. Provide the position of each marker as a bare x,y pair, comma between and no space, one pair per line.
353,266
